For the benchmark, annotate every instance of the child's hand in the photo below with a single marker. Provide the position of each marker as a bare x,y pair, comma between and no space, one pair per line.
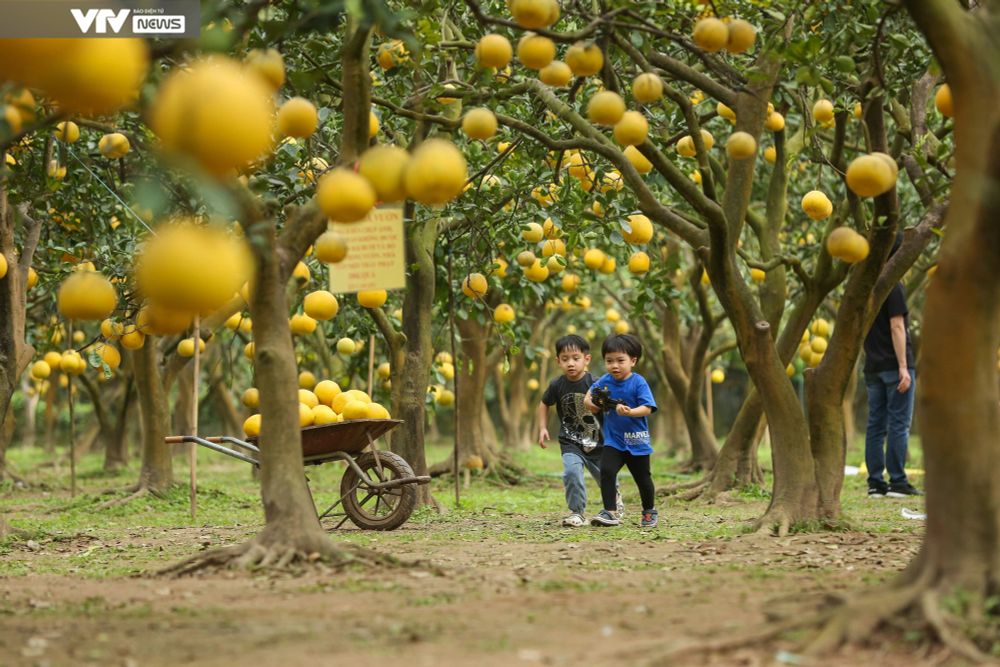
542,437
623,410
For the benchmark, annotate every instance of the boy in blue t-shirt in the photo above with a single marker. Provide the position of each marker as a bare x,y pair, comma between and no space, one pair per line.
626,400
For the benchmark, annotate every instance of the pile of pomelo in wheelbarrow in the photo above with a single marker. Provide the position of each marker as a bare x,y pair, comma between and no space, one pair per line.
324,404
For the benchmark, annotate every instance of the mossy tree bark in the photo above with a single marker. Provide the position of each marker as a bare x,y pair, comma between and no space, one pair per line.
15,352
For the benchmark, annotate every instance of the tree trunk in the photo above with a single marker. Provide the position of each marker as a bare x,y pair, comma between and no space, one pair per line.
116,446
49,417
472,371
30,416
412,354
180,419
226,408
156,472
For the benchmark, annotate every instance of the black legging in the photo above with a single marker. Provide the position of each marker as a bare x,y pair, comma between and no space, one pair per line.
612,461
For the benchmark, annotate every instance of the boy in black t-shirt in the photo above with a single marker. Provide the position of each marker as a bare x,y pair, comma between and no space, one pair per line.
579,430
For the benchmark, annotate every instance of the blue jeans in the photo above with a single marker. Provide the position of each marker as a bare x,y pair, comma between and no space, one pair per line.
573,480
889,414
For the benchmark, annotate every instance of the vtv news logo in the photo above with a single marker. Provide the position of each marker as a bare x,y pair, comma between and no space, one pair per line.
101,19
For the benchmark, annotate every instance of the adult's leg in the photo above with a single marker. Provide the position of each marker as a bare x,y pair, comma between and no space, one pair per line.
876,430
639,467
612,461
576,489
900,409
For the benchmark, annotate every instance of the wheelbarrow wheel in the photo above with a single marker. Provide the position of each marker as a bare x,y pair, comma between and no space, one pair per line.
372,509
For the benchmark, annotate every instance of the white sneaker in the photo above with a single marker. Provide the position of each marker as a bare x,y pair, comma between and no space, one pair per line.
574,521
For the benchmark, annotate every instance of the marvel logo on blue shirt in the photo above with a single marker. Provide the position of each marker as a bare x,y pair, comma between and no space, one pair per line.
627,434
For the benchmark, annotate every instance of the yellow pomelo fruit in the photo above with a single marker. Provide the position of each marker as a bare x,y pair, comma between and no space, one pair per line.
436,173
248,350
869,176
391,54
185,348
192,267
109,354
377,411
570,282
638,160
308,398
384,370
297,118
890,162
641,230
741,146
326,391
612,315
942,101
818,344
479,123
133,340
820,327
52,358
344,196
96,76
40,370
302,325
771,154
526,258
3,266
339,401
86,296
622,327
323,414
373,298
775,122
605,108
631,129
504,313
444,398
330,247
742,36
647,88
710,34
159,320
252,426
638,263
814,359
320,305
553,247
68,131
823,111
585,58
111,330
757,275
475,286
725,112
718,376
251,398
817,205
501,267
301,272
494,51
556,74
594,258
305,415
532,14
269,65
847,245
384,167
346,346
608,265
535,51
373,125
215,111
355,410
790,370
537,272
533,232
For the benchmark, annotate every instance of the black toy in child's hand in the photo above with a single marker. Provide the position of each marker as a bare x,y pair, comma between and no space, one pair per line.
601,397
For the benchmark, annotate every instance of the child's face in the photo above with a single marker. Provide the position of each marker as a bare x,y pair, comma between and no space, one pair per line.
619,364
573,362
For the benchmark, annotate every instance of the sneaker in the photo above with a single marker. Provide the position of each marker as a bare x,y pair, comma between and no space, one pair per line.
574,520
877,490
903,490
620,505
605,518
650,518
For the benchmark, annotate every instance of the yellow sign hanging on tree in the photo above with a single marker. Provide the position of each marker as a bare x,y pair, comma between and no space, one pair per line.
376,253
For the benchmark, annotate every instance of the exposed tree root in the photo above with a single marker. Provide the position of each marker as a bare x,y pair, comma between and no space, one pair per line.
7,473
136,493
683,486
264,553
909,602
775,521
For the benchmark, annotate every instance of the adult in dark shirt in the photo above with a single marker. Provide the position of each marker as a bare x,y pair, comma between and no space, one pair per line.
890,377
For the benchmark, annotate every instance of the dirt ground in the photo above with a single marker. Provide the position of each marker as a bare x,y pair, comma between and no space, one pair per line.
481,601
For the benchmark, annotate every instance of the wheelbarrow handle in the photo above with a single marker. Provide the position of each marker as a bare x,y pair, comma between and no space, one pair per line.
181,439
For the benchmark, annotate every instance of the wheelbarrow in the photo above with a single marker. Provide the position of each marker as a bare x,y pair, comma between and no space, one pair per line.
378,490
